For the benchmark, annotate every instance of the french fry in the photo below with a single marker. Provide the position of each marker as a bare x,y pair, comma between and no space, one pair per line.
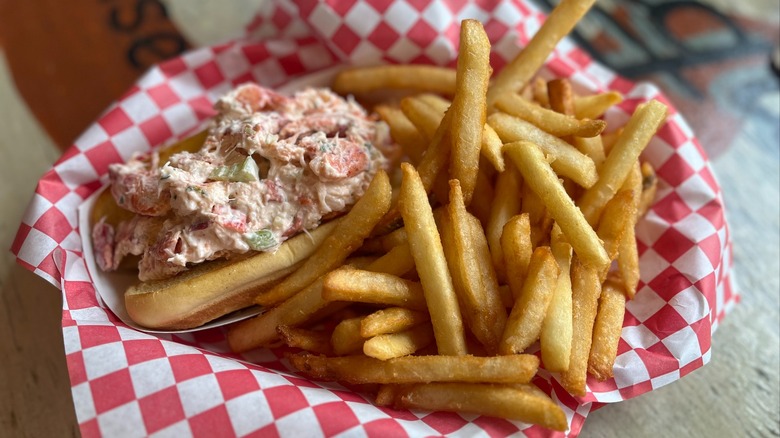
586,288
343,240
469,105
355,285
424,117
649,187
637,133
398,261
540,93
261,330
562,100
385,396
593,147
403,132
506,204
544,182
517,248
359,369
619,214
525,321
506,296
440,104
385,242
309,340
561,97
522,68
409,77
482,205
431,264
522,402
437,155
391,320
491,143
346,337
608,139
628,255
309,302
392,345
568,161
552,122
533,205
595,105
472,271
556,335
491,148
607,329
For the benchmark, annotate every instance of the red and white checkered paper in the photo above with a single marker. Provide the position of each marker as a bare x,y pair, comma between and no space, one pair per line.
128,383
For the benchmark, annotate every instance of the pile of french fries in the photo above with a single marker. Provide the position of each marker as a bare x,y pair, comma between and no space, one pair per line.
512,228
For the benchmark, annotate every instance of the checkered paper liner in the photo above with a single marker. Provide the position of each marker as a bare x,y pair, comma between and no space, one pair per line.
126,383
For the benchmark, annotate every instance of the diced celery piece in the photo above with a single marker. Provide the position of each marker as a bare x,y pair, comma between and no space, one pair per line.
260,240
246,171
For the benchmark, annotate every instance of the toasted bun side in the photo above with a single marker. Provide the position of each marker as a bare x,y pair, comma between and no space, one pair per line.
161,310
217,288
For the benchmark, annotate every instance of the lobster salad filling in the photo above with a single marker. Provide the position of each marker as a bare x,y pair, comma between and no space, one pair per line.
271,166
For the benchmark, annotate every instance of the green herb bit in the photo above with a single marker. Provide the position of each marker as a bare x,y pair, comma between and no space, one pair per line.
260,240
246,171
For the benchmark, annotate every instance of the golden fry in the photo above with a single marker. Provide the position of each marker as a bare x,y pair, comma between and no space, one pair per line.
346,338
361,369
491,147
540,93
619,214
506,204
556,335
391,320
544,182
261,330
424,117
593,147
392,345
557,124
636,135
431,264
482,205
595,105
517,248
410,77
561,97
403,131
355,285
437,155
628,255
525,320
607,329
524,66
586,288
649,187
522,402
309,340
567,160
533,205
440,104
469,105
398,261
472,271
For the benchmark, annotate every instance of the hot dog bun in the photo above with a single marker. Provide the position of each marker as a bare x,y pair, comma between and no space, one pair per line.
216,288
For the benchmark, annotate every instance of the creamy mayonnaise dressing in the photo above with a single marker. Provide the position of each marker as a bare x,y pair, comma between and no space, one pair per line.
271,166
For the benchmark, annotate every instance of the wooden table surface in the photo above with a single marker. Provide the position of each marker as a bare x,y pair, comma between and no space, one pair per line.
736,394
